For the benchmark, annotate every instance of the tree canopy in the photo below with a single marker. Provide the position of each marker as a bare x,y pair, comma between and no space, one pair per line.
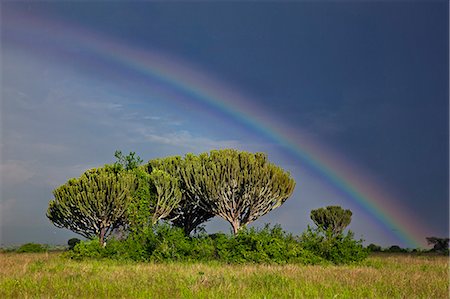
128,162
188,214
439,244
237,186
94,204
332,218
168,194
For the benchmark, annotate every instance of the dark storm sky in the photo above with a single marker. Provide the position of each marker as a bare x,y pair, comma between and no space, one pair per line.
369,79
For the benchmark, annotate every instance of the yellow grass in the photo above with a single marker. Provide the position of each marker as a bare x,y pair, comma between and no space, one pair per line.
384,276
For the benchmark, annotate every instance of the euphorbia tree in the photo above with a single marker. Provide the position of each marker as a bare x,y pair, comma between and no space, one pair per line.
168,194
188,214
94,204
237,186
332,218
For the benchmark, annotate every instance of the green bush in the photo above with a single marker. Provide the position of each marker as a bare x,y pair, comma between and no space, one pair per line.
87,249
395,249
72,242
340,249
202,248
31,247
170,243
251,245
374,248
267,245
163,242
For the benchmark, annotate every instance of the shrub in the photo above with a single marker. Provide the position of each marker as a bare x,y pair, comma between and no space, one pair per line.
374,248
202,248
72,242
160,242
170,243
267,245
87,249
31,247
340,249
163,242
395,249
252,245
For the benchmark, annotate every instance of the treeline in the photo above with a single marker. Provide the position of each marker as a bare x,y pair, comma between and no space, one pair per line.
440,246
155,211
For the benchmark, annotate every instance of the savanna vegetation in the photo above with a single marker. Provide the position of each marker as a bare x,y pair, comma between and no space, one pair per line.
154,212
145,239
51,275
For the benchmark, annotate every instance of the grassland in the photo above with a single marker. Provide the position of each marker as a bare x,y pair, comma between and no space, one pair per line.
49,275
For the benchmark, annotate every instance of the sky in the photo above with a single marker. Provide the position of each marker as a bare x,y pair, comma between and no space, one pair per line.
352,98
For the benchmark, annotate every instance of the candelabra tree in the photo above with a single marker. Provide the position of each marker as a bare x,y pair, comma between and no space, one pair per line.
168,194
238,186
332,218
93,205
188,214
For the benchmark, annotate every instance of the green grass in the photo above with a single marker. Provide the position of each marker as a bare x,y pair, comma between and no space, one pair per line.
49,275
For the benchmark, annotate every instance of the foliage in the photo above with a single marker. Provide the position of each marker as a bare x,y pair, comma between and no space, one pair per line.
128,162
170,243
165,243
72,242
395,249
268,245
139,214
31,247
439,244
87,249
168,194
155,196
237,186
188,214
339,249
94,204
374,248
332,218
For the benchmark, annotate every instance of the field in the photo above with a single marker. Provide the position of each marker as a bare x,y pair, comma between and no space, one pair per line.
49,275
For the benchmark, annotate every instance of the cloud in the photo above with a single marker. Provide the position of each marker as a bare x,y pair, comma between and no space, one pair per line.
99,105
185,139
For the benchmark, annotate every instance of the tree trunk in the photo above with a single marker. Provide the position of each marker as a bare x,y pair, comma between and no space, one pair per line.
187,230
236,226
102,236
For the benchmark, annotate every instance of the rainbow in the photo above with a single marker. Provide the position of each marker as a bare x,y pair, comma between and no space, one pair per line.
204,90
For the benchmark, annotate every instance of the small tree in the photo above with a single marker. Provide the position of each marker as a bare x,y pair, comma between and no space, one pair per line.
332,218
156,195
128,162
93,205
439,244
237,186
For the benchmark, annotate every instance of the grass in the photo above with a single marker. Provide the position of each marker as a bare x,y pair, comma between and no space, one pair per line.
49,275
